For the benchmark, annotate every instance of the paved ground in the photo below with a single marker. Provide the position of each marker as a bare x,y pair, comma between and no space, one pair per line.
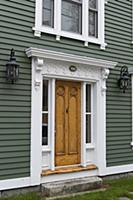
124,198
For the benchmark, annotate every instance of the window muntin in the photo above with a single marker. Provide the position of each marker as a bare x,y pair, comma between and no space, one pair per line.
71,16
45,113
93,18
88,113
48,13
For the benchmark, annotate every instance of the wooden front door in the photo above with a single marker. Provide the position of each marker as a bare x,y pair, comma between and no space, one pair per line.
68,123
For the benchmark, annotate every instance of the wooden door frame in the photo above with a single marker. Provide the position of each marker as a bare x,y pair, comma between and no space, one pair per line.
51,147
74,159
83,132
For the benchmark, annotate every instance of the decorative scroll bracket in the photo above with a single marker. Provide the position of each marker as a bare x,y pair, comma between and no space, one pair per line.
105,74
38,68
39,64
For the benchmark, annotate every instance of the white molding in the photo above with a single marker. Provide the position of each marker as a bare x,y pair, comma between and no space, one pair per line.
57,24
83,130
36,118
15,183
52,118
100,138
38,15
54,55
60,70
39,64
101,24
57,19
38,68
46,149
92,115
90,146
117,170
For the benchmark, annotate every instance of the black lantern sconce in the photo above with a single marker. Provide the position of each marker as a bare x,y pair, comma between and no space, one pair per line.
124,79
12,68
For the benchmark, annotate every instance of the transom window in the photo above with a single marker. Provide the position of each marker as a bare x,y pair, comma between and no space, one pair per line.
76,19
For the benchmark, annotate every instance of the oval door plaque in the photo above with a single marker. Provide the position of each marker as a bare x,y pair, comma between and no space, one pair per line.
73,68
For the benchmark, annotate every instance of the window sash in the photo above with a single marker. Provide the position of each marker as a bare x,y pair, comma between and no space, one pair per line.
93,23
49,15
75,24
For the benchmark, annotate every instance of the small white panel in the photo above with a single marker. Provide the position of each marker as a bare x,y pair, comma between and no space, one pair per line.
45,160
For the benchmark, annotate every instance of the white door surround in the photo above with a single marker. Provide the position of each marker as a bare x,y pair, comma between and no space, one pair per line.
55,65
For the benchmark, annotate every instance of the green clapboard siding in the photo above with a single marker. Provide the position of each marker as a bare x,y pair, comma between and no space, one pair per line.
16,22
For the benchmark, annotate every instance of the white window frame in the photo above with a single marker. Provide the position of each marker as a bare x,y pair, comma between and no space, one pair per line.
39,28
46,147
88,145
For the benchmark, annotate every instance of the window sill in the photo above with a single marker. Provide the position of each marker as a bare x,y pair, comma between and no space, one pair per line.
90,146
86,40
46,149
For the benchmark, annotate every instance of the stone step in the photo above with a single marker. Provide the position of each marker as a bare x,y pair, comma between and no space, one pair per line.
61,188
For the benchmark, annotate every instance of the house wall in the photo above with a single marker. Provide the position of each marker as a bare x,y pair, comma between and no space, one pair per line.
16,22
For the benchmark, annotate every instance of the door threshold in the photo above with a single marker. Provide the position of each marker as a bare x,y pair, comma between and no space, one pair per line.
67,166
64,170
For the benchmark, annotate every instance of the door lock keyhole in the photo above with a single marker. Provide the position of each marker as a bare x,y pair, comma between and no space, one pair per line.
67,110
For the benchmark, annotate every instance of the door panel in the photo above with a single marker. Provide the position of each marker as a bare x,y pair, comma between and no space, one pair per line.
72,123
60,121
68,114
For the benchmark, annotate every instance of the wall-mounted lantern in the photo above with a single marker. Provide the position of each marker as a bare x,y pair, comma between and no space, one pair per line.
12,68
124,79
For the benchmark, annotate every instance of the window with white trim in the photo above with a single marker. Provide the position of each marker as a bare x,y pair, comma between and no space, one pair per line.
88,114
77,19
45,113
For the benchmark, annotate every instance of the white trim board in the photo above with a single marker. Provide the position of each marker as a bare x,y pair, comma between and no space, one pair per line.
54,55
15,183
117,170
